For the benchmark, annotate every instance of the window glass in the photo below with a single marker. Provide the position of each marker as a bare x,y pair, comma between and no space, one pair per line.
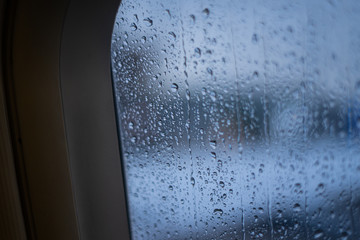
239,119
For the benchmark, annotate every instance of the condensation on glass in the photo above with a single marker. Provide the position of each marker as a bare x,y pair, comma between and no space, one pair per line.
239,119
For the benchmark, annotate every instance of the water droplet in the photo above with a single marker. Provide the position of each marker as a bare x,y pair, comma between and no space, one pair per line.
222,184
168,12
318,234
203,91
143,39
344,235
255,75
218,211
187,94
133,27
206,12
213,96
213,144
174,87
148,22
131,125
192,180
296,207
193,18
172,34
254,38
136,17
320,187
197,52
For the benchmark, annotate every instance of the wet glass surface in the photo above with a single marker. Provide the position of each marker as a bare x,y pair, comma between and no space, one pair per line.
239,119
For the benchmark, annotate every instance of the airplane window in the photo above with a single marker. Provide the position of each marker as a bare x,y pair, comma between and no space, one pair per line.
239,119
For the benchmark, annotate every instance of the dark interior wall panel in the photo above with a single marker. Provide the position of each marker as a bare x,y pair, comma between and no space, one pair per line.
11,218
40,130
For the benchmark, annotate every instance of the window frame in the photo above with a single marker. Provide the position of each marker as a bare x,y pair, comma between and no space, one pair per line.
90,119
59,97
